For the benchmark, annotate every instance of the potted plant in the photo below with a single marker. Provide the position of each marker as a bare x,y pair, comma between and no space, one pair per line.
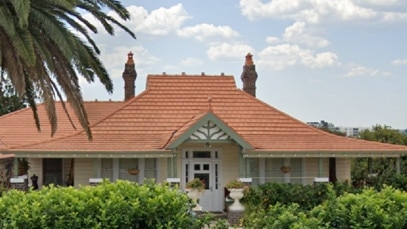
195,189
235,188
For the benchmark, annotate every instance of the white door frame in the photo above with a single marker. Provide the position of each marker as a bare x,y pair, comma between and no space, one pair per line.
212,199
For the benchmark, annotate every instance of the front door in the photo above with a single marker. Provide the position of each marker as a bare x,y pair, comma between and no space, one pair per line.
205,166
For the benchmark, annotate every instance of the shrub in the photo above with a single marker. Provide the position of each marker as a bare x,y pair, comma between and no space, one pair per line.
280,217
109,205
370,209
306,196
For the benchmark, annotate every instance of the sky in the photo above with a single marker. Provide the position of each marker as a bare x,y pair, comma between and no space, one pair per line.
341,61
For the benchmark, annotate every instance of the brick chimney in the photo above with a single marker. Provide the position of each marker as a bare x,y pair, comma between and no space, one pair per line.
129,76
249,76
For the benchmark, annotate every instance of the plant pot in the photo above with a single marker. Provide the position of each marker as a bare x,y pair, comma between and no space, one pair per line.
285,169
133,171
194,195
236,194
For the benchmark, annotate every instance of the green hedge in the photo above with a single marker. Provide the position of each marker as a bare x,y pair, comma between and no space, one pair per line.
369,209
306,196
109,205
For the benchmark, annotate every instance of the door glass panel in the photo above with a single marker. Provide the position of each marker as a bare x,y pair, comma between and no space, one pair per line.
216,176
186,173
203,177
206,167
202,154
197,167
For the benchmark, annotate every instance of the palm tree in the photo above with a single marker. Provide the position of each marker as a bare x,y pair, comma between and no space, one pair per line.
45,45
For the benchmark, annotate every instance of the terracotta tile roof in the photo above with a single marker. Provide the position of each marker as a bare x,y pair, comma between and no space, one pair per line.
169,106
6,156
18,128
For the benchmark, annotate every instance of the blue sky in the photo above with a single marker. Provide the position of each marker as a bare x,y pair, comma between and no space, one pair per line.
342,61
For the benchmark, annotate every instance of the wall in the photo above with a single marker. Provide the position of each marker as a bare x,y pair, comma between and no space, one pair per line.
83,168
343,169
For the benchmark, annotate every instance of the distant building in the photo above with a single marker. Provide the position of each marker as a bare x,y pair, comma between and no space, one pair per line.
322,124
349,131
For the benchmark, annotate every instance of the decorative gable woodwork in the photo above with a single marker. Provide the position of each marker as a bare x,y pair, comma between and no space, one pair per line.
209,131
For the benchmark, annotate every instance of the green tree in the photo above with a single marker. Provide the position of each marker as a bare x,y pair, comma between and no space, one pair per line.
9,101
43,55
383,169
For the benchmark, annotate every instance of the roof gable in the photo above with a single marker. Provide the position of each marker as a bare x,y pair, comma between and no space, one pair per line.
209,128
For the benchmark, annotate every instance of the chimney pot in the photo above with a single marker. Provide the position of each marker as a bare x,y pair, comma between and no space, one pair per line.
129,76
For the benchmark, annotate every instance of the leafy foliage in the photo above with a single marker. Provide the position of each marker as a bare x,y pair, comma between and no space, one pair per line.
9,101
368,208
110,205
42,53
306,196
383,168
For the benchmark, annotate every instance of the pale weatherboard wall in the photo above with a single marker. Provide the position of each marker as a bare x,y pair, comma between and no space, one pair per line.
343,169
84,170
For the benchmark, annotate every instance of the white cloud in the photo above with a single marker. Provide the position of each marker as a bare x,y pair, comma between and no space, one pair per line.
204,31
114,59
310,11
299,33
160,21
399,62
191,62
272,40
357,70
229,51
285,55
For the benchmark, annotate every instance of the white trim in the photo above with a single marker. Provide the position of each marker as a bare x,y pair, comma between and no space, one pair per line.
217,196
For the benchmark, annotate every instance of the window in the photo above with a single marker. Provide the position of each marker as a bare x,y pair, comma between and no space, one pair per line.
272,170
150,168
107,169
124,165
252,170
114,169
296,170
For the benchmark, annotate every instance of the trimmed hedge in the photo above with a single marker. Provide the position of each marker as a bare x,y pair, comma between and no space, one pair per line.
306,196
109,205
369,209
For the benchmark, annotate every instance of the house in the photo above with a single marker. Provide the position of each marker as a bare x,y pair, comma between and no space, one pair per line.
183,127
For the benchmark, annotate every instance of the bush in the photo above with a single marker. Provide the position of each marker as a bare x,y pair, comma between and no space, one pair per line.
370,209
109,205
280,217
306,196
